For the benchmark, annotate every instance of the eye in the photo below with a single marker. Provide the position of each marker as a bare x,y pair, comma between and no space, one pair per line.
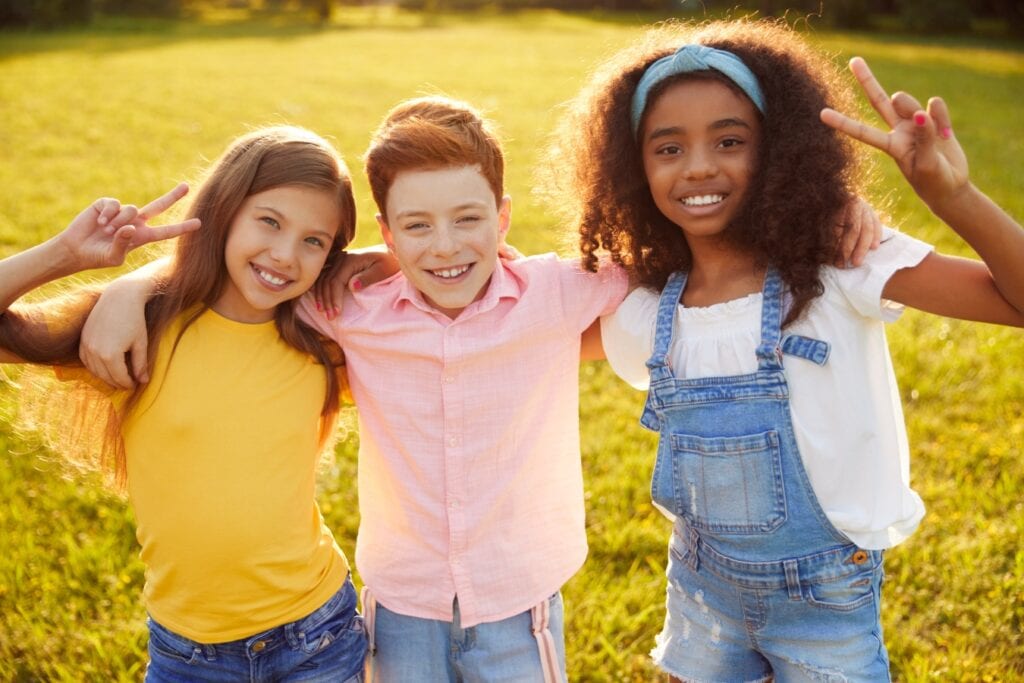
416,226
468,219
316,242
732,142
272,222
669,149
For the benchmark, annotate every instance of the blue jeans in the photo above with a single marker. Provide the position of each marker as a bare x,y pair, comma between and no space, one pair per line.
414,650
328,645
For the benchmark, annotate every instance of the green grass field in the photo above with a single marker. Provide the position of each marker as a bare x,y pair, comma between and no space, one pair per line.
128,109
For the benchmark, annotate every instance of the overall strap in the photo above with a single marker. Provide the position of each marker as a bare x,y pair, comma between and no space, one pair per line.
657,364
769,352
774,304
668,304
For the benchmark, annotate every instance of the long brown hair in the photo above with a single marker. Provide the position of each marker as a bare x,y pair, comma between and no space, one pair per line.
806,171
49,332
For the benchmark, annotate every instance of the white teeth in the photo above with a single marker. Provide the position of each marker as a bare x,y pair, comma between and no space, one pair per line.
277,281
703,200
448,273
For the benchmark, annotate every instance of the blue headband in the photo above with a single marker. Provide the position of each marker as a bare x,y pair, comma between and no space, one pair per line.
691,58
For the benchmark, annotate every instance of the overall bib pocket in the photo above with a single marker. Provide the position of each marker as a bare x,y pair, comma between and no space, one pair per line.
723,484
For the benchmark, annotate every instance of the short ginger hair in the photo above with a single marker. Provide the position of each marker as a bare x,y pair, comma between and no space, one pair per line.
430,133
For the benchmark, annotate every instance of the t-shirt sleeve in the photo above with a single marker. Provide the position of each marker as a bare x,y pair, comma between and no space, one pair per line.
862,286
628,337
586,296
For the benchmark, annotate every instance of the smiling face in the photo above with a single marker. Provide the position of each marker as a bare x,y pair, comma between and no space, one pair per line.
276,247
444,226
699,147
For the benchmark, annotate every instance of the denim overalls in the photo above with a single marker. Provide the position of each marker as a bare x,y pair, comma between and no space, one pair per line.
760,582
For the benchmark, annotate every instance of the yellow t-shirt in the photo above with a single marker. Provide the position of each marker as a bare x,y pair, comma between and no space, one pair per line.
222,454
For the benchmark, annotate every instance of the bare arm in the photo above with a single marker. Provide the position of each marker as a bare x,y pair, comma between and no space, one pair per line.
922,143
590,346
100,236
115,340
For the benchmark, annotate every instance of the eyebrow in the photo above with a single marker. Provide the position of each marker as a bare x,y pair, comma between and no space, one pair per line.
472,204
668,131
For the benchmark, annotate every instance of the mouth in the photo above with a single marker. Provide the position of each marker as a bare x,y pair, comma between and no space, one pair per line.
269,278
702,200
452,273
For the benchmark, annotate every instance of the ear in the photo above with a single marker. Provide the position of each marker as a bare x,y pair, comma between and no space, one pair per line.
385,233
504,217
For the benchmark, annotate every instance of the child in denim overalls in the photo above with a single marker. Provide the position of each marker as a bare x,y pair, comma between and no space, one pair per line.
702,163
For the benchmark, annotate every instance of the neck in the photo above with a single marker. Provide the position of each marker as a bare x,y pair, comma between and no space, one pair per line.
721,273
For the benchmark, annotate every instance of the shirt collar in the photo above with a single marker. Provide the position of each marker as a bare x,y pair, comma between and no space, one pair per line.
504,284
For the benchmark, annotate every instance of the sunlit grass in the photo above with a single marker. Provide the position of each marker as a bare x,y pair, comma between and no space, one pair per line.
129,109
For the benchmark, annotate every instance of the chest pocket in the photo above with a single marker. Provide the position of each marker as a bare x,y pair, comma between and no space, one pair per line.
728,485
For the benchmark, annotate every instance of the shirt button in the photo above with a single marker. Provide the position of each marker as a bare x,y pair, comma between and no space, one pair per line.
448,379
259,646
453,440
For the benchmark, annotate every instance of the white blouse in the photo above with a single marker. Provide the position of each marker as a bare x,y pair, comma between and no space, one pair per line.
846,414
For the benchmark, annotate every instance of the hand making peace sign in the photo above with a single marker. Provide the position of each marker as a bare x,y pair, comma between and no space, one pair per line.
920,139
102,234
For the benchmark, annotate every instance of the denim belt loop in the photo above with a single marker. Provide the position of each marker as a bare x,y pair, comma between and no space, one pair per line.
290,636
790,568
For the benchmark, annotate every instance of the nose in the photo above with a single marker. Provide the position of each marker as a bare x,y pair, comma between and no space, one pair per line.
445,242
282,251
700,164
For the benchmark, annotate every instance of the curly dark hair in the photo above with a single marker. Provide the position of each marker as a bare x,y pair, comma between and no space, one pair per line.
806,171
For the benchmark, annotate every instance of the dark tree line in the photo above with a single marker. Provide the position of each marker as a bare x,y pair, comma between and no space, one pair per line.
926,16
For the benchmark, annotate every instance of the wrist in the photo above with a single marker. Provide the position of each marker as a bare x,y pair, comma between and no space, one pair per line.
953,205
58,259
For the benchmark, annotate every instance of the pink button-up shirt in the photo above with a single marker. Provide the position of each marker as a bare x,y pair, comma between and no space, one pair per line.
469,467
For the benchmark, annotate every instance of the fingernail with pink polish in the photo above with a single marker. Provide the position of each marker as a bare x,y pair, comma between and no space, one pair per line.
357,285
947,133
920,119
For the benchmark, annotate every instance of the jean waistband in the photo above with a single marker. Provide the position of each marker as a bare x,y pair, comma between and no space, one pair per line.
828,564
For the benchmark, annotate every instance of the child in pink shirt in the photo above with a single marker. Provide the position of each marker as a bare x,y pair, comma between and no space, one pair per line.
464,368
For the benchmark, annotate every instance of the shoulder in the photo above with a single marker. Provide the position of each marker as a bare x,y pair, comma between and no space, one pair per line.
862,287
627,336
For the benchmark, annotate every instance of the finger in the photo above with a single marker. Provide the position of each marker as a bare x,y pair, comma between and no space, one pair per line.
905,104
107,208
156,233
121,244
939,112
164,202
925,154
117,370
328,302
857,130
319,293
140,359
105,371
874,91
126,215
866,237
